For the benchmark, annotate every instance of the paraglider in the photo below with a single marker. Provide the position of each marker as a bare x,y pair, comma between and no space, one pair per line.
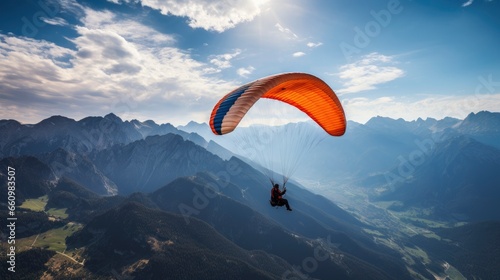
277,197
306,92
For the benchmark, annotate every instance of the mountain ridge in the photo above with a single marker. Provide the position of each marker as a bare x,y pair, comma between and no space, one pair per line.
460,176
77,164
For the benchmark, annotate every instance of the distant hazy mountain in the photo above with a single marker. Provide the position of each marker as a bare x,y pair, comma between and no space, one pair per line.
80,169
199,128
145,170
145,165
459,178
82,137
483,126
64,145
61,132
365,149
108,155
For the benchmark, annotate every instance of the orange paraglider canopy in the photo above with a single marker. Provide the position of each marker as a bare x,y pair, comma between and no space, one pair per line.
306,92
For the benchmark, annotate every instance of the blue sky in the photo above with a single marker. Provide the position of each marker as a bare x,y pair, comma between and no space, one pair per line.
171,60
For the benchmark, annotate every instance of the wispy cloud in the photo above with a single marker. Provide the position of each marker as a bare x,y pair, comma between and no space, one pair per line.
223,61
55,21
298,54
368,72
468,3
130,30
218,15
245,71
288,32
314,45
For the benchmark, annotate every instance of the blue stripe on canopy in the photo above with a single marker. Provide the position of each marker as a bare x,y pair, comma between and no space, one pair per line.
226,105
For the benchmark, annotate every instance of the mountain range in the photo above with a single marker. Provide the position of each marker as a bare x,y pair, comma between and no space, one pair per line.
158,200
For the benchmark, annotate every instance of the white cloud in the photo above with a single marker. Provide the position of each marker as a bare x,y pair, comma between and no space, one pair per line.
468,3
210,15
367,73
223,61
298,54
55,21
111,69
289,33
128,29
69,6
244,72
314,45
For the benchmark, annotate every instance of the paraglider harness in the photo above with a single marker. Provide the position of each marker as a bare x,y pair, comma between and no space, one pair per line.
274,201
